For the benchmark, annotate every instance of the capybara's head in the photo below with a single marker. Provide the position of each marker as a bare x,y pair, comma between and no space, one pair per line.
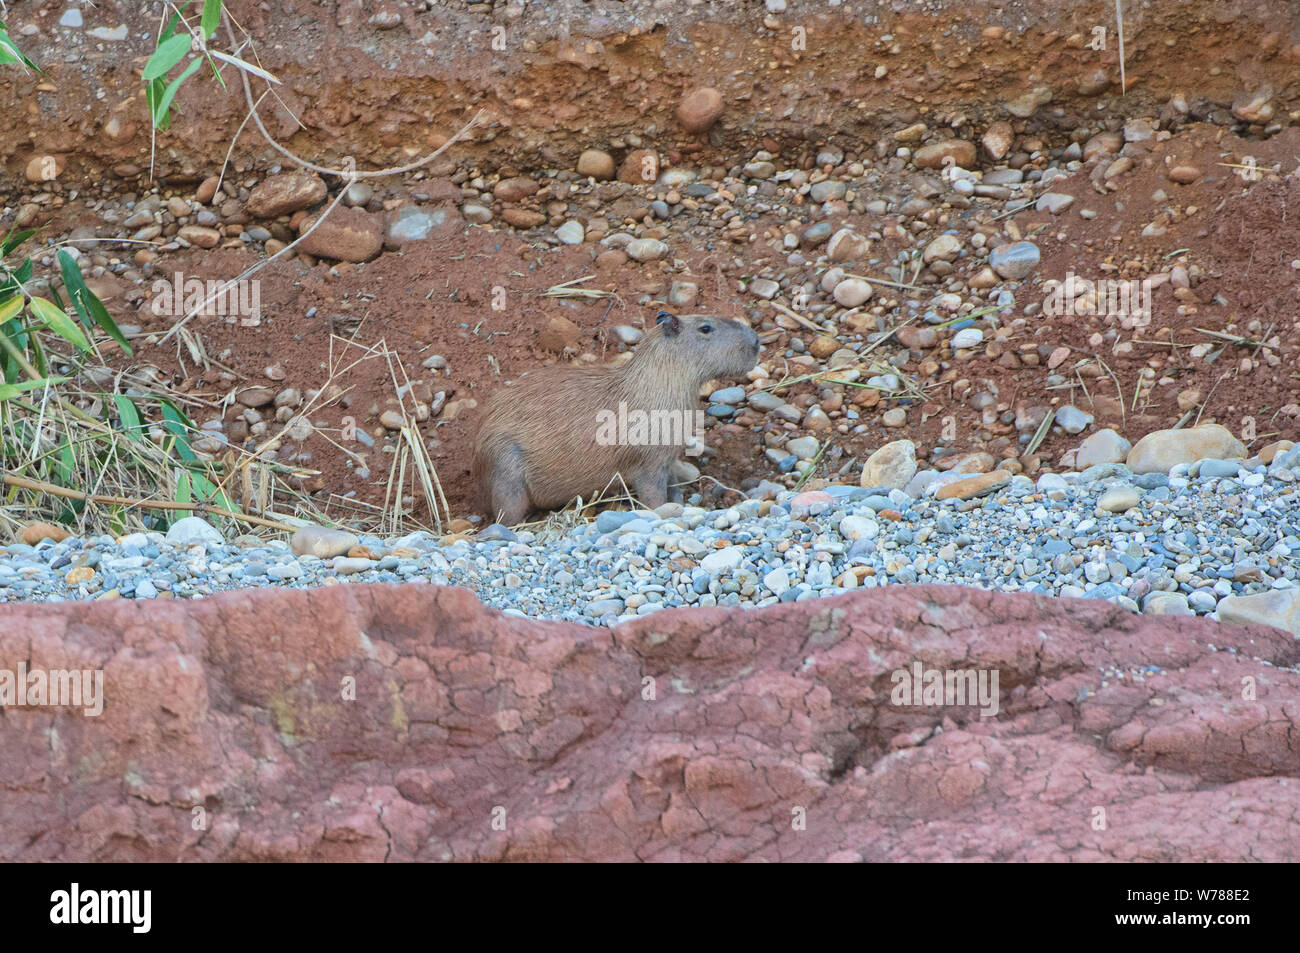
710,346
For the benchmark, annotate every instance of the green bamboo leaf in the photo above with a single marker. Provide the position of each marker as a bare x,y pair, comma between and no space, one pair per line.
179,426
9,52
208,491
10,308
165,102
20,276
10,391
169,53
130,417
66,463
13,240
152,94
74,283
211,17
88,305
58,321
184,488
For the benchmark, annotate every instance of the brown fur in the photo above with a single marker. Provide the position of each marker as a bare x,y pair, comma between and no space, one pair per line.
537,445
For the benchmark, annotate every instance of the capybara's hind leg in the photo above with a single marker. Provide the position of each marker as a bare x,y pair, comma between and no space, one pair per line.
508,492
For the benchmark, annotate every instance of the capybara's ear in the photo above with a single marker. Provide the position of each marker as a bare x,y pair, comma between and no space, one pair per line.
671,323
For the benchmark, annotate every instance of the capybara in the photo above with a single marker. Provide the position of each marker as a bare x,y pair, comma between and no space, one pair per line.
560,432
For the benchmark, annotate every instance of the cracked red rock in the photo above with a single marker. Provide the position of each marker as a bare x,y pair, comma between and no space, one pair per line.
703,734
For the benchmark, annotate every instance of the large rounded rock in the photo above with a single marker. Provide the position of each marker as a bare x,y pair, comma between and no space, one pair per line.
347,234
322,542
893,465
1162,450
597,164
285,193
700,109
1105,446
1015,261
936,154
847,245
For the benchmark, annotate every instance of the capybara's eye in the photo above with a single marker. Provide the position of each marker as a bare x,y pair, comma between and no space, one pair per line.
706,329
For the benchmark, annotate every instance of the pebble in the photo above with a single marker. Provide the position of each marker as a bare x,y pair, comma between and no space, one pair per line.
1015,261
1162,450
1177,548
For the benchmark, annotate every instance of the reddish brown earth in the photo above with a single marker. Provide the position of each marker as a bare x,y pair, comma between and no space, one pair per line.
690,735
573,77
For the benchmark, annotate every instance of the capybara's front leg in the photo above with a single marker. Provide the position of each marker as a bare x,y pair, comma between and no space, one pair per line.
650,486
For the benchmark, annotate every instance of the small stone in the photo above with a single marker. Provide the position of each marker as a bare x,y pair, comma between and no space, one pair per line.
646,249
859,527
1073,420
347,566
33,533
700,109
199,236
522,217
778,580
895,418
597,164
322,542
893,465
1256,107
1026,104
805,448
1279,608
682,294
852,292
193,531
411,223
828,190
998,140
722,560
764,288
960,151
975,486
1184,174
570,233
286,193
944,248
1054,202
79,575
207,190
348,234
847,245
967,338
1105,446
1120,498
559,334
514,190
1162,450
1166,603
1015,261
